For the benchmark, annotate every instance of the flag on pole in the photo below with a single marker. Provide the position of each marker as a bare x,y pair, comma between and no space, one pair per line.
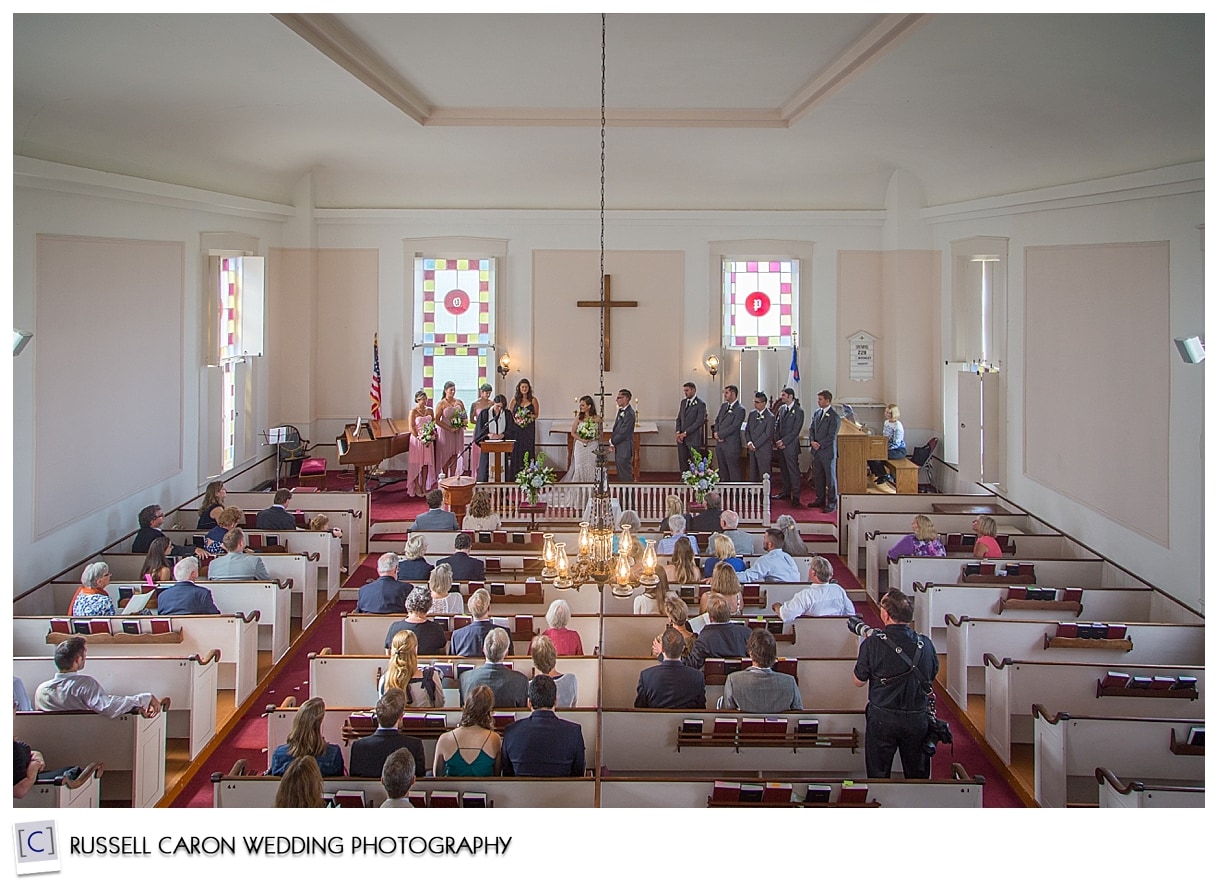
374,391
793,382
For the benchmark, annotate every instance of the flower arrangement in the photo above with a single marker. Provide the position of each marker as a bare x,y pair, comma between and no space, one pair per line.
523,416
700,476
534,476
586,430
427,434
458,420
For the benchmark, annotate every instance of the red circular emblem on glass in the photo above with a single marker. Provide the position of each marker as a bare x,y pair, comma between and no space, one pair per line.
456,301
757,303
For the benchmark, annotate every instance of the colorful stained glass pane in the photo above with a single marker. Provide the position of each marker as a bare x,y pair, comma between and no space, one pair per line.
760,303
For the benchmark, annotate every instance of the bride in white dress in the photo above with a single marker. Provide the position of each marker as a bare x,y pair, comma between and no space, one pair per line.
582,469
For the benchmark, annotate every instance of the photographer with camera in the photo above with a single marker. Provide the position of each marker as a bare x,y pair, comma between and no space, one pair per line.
898,665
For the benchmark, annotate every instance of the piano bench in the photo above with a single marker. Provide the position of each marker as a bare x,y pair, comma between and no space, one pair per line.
313,472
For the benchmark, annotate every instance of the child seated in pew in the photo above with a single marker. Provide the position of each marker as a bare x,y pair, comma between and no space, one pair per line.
321,523
301,785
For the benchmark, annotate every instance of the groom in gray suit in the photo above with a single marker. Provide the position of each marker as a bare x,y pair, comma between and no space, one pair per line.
759,436
727,434
621,442
691,426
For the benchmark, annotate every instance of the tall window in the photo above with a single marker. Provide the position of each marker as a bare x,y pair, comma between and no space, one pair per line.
454,321
237,331
760,303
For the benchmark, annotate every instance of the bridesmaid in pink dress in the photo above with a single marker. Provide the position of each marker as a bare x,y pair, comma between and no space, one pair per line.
449,440
421,464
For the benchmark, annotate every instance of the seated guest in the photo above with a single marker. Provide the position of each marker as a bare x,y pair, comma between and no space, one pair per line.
744,541
682,567
479,516
397,777
151,517
21,699
430,635
720,638
474,748
444,601
212,505
725,552
386,594
922,542
509,687
227,519
677,525
435,519
678,620
823,598
986,545
894,433
321,524
91,598
305,739
468,641
545,661
184,597
423,687
368,754
792,543
27,764
760,689
464,566
651,601
566,641
707,521
412,566
630,518
237,564
773,566
156,567
70,690
542,745
673,505
301,785
726,584
277,517
670,683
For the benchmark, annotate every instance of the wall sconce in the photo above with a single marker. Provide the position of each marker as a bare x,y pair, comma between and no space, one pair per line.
712,365
20,339
1191,349
505,364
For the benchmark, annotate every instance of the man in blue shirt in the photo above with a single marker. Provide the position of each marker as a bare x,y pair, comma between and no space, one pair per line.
773,566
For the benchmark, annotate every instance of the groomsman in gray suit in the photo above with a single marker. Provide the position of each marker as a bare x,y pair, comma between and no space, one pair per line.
621,442
759,437
786,439
727,434
691,426
823,435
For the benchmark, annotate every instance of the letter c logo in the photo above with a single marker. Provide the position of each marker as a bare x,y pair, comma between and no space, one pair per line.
29,841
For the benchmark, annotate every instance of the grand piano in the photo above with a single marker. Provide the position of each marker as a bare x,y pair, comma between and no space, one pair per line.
368,443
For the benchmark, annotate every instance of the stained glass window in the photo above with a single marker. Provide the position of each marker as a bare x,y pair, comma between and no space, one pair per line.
760,303
454,322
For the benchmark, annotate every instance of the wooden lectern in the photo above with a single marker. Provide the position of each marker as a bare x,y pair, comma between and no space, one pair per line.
458,491
497,450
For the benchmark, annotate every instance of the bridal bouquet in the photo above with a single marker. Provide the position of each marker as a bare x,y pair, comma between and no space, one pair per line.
427,434
700,476
523,417
534,476
586,430
458,420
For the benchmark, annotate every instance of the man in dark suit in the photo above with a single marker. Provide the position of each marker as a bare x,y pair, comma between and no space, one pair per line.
511,688
720,638
277,517
368,754
469,641
825,423
151,517
727,434
184,597
670,683
786,439
759,437
621,442
435,519
463,566
691,426
386,594
707,521
541,745
490,425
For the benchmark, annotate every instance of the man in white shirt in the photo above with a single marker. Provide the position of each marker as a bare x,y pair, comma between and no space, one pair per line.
71,690
397,777
773,566
824,598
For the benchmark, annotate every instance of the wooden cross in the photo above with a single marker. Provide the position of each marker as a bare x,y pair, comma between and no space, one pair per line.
604,306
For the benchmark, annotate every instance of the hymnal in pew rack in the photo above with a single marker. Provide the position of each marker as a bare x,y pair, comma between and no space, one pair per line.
1090,635
1117,684
770,732
1042,597
1192,745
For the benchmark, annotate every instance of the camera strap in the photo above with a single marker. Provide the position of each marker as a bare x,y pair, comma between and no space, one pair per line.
913,664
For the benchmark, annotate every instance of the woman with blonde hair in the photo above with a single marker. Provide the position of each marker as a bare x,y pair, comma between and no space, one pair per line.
651,601
792,543
682,567
480,517
672,506
321,524
444,601
725,552
300,786
894,433
423,688
472,750
922,542
212,505
545,660
986,545
227,518
414,567
565,640
726,584
305,739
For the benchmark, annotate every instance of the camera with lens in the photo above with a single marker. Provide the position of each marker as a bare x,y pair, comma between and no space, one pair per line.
859,627
937,731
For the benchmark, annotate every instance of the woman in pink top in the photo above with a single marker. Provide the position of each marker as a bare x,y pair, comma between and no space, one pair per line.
986,544
566,641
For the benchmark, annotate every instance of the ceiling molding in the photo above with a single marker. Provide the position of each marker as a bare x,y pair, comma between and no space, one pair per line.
721,118
862,52
326,34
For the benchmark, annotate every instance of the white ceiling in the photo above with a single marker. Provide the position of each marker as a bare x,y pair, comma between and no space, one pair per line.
502,111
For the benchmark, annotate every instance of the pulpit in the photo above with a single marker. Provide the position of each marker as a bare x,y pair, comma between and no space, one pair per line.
458,491
498,451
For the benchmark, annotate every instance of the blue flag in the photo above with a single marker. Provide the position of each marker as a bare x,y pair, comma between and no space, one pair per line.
794,365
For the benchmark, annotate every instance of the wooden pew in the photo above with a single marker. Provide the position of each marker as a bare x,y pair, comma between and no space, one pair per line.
325,546
347,510
236,637
189,682
83,792
364,633
849,505
970,639
1095,572
585,600
1013,686
1030,545
1115,793
1069,748
258,791
960,791
770,593
131,747
870,523
822,637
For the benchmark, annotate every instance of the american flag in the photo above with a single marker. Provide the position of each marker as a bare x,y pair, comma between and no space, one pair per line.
374,391
794,378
